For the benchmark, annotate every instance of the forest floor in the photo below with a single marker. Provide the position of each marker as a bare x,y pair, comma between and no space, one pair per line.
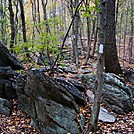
19,122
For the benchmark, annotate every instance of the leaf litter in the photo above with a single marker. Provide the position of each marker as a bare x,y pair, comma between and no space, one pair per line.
19,122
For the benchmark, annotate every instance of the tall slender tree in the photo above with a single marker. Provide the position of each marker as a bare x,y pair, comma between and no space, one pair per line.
12,40
75,30
16,20
131,31
3,21
38,11
44,6
92,126
24,27
88,32
23,20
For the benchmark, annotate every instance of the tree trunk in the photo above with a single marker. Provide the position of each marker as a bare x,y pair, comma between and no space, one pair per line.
35,19
44,5
16,20
12,24
97,92
64,16
92,126
33,32
120,34
88,34
23,20
54,15
125,34
95,32
131,34
38,15
75,28
111,59
95,41
3,21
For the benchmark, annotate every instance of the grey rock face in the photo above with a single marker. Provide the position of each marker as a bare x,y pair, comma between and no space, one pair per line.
5,107
115,93
78,85
73,90
8,59
130,75
7,83
51,106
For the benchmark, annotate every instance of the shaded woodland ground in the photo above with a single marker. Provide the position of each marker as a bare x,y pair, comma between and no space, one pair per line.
19,122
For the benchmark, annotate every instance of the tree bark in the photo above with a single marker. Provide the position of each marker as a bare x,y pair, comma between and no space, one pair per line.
92,127
125,34
44,5
131,33
75,28
12,24
38,11
23,20
3,21
95,41
111,59
120,33
97,93
88,34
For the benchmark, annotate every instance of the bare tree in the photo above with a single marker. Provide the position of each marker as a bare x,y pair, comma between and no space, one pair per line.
75,27
35,18
12,40
119,34
92,126
16,20
88,32
23,20
38,13
130,44
125,33
3,21
44,5
95,39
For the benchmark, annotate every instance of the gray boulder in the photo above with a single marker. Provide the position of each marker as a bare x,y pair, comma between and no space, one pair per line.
7,83
5,107
130,75
8,59
106,116
115,93
52,108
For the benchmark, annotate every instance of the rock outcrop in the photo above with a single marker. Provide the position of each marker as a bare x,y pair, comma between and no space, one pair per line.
115,93
5,107
7,83
8,59
52,107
